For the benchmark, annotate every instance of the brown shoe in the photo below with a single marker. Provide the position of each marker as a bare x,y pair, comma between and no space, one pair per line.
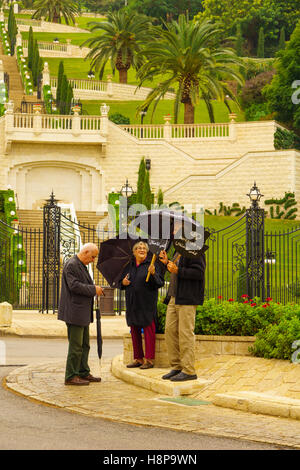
91,378
147,365
76,381
134,364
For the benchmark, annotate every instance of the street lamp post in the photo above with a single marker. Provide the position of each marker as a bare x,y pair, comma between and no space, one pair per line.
126,191
255,217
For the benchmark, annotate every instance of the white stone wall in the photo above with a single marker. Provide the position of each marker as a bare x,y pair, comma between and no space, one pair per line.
189,171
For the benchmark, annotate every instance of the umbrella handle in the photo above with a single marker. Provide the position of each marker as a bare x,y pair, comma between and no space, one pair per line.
151,264
176,259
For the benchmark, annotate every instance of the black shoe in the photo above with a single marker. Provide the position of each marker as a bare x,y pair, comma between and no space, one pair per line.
182,377
172,373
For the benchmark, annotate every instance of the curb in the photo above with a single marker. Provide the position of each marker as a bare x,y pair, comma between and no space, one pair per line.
262,403
151,380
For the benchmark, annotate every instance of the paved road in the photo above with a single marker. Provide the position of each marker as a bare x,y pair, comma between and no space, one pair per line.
28,425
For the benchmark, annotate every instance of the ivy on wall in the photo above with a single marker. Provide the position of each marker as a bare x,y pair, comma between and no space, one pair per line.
283,208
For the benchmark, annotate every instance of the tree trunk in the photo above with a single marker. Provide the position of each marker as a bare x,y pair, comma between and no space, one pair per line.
189,112
123,75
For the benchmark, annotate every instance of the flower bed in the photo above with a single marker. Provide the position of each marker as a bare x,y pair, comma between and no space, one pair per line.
4,39
276,327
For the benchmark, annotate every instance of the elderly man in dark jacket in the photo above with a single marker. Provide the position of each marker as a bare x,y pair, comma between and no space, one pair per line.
186,291
76,309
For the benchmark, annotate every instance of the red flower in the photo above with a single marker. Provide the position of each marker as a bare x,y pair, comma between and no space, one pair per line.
244,296
220,297
230,300
253,304
268,299
264,306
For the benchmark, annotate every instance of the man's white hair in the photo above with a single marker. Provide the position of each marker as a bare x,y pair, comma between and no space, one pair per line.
88,247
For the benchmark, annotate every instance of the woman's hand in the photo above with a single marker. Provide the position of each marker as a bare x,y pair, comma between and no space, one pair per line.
151,269
126,281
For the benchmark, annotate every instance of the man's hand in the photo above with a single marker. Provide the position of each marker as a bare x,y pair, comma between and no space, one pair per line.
163,257
172,268
99,291
126,281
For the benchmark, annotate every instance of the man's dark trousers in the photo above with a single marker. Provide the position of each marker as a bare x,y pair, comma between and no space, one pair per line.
78,353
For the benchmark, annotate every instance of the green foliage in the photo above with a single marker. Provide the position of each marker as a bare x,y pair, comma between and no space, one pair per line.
160,197
147,198
285,139
25,73
59,82
283,207
282,39
280,94
239,40
119,118
191,59
55,10
30,48
275,326
234,210
140,182
12,29
4,39
261,43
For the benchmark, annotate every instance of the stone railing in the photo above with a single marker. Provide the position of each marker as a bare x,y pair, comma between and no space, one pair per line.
50,49
55,128
169,131
83,84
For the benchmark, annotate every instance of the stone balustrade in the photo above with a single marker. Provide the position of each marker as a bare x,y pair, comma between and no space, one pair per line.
51,128
50,49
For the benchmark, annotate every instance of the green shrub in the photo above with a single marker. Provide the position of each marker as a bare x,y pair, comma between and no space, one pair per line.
118,118
275,326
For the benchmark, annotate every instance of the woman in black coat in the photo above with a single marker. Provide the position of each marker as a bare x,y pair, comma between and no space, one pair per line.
141,303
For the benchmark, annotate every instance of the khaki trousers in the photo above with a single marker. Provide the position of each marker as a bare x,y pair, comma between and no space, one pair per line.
179,334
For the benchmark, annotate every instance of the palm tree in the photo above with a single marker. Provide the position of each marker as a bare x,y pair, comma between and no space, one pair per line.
192,61
55,10
120,41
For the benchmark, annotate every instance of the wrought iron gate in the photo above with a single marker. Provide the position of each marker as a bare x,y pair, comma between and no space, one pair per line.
242,259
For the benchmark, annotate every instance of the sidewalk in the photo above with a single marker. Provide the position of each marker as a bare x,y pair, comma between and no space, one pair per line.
239,397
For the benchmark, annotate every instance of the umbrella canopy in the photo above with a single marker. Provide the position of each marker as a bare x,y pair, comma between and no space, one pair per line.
159,224
190,247
115,254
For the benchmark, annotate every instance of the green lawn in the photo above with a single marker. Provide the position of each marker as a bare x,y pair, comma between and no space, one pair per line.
76,38
128,109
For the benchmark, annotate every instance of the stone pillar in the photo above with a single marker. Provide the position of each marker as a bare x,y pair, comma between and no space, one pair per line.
16,8
1,15
109,86
76,120
232,125
9,116
5,314
19,40
167,127
46,75
37,119
104,109
69,47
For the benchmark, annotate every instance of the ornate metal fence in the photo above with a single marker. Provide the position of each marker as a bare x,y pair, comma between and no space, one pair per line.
242,259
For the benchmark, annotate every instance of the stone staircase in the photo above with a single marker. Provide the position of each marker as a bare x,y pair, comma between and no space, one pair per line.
16,90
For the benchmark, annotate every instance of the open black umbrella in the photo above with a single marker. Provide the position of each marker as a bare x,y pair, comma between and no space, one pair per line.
159,224
191,247
115,254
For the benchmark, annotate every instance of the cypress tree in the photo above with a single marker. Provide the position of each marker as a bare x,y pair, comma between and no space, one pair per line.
63,95
147,196
282,38
30,48
69,97
59,82
35,62
261,43
12,29
140,183
160,197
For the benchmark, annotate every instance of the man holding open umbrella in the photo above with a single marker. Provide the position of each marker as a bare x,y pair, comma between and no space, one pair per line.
76,309
186,291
